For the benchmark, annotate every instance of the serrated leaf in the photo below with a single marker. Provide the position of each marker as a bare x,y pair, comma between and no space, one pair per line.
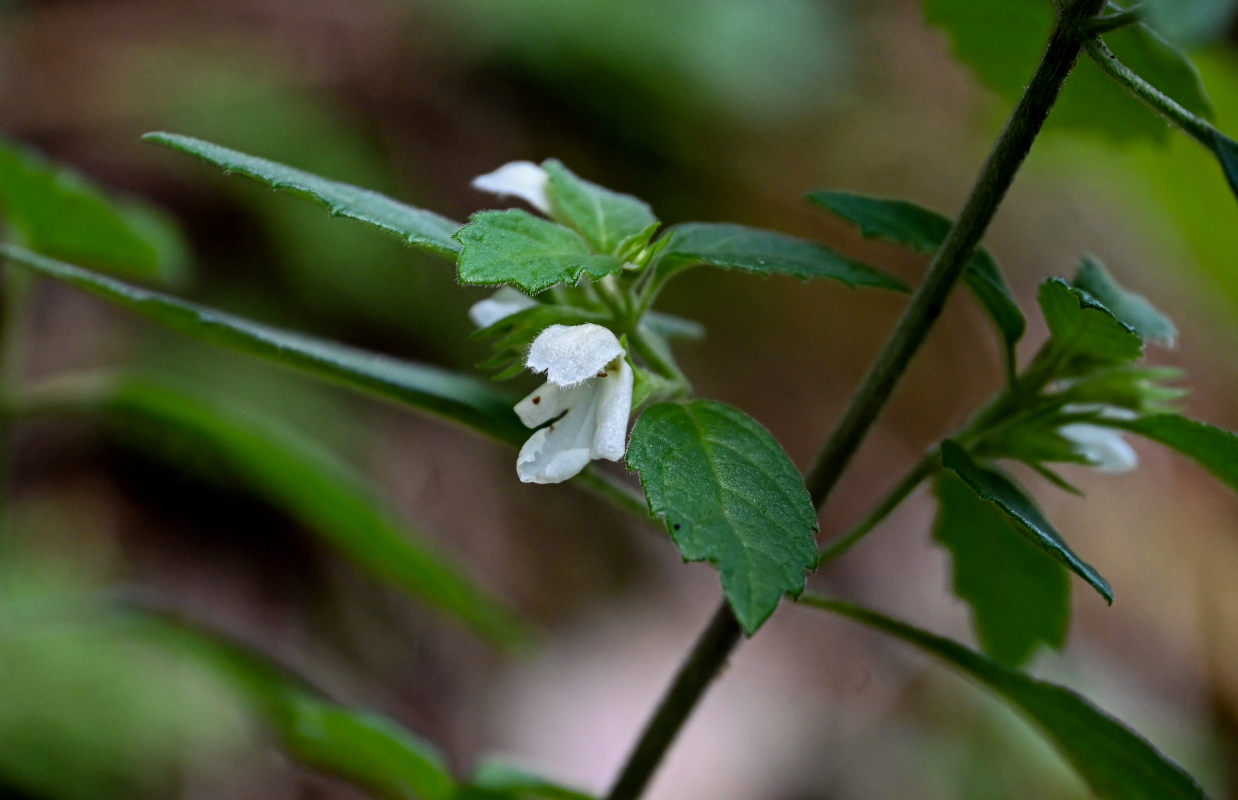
456,397
1213,448
1115,761
516,248
1003,41
313,486
1227,154
1084,333
415,226
728,495
722,244
1021,512
1019,599
1130,308
606,219
924,231
55,211
498,780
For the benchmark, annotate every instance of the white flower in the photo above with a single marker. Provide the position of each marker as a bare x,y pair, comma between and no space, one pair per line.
522,179
1103,447
588,389
503,303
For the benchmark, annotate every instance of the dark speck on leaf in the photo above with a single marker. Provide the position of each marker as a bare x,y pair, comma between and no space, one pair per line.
675,526
537,400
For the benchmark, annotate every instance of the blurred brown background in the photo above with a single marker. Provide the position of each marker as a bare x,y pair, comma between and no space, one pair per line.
708,109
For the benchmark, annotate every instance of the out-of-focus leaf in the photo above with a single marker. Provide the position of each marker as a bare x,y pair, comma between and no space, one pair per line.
605,218
1213,448
1130,308
498,780
417,227
924,231
1227,153
57,212
1018,598
1191,21
1002,42
312,485
721,244
514,247
729,495
1021,512
1116,762
1085,334
456,397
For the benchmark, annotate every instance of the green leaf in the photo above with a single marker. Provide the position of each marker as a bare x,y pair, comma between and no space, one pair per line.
1084,333
498,780
1021,512
312,485
1213,448
764,252
1130,308
1018,597
459,398
514,247
1003,41
924,231
1226,150
606,219
59,213
1116,762
415,226
729,495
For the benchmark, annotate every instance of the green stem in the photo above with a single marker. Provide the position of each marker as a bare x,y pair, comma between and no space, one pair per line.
995,178
841,544
1115,21
1195,126
717,641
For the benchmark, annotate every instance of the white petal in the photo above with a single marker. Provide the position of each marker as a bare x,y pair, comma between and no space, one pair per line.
1104,448
503,303
562,449
522,179
614,406
1102,410
549,401
571,354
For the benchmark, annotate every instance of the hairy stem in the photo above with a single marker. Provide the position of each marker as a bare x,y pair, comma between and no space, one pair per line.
717,641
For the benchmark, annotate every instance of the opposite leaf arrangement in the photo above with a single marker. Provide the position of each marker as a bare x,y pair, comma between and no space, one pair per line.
577,284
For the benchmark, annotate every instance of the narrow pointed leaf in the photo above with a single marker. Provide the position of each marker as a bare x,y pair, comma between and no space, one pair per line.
1019,599
728,495
924,231
459,398
1115,761
312,485
415,226
1213,448
605,218
1084,333
1227,154
731,246
57,212
1130,308
516,248
498,780
1021,512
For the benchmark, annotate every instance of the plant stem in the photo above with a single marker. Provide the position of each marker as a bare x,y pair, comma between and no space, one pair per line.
995,178
841,544
1116,20
703,663
717,641
1195,126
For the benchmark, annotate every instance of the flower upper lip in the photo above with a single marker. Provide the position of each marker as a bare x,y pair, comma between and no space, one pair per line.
522,179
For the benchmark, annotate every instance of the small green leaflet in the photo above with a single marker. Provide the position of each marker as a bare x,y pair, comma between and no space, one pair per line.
1226,150
1084,333
1116,762
1002,42
606,219
722,244
514,247
415,226
1021,512
498,780
1130,308
924,231
457,397
59,213
1215,449
729,495
313,486
1018,598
